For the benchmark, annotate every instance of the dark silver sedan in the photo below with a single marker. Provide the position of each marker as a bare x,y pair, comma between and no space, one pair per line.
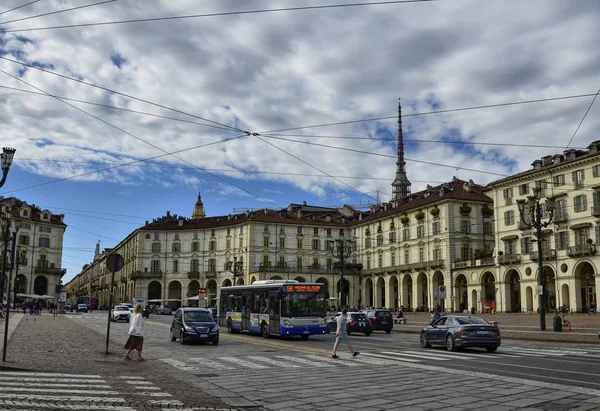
456,332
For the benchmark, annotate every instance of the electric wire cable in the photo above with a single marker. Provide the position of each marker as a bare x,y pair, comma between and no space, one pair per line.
19,7
58,11
584,116
96,234
221,14
147,142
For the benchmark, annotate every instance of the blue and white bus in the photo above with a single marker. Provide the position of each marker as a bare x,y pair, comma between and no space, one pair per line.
274,307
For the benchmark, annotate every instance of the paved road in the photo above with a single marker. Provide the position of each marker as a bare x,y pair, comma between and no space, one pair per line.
392,371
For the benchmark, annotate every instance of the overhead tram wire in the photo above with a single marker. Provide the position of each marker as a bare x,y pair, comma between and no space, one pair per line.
222,14
583,118
513,103
315,167
116,108
146,142
118,93
58,11
96,234
384,155
19,7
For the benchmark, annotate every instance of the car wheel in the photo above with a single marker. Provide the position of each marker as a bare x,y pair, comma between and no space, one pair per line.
367,334
264,331
423,341
388,331
304,337
216,342
181,338
491,349
173,338
450,344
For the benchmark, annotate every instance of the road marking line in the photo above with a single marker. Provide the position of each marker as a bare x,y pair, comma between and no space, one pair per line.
274,362
46,374
506,355
77,407
544,351
130,377
243,363
281,346
529,354
65,380
396,360
422,356
165,402
377,359
71,398
330,360
304,361
139,383
448,354
51,385
152,394
180,365
60,390
212,364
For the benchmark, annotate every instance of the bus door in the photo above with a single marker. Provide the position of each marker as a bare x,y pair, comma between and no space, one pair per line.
246,310
274,310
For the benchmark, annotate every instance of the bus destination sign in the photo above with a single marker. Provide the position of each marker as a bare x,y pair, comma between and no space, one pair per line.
303,288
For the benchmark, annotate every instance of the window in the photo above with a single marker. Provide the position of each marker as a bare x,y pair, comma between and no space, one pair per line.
578,177
300,230
435,227
544,210
316,244
597,234
510,247
379,240
580,236
195,246
45,229
265,241
299,263
329,232
509,217
407,255
421,253
579,203
526,245
341,231
368,262
368,242
156,237
393,258
266,230
315,263
281,242
195,235
299,243
329,244
44,242
380,260
542,185
26,226
212,245
465,251
156,247
465,226
175,266
329,263
559,180
393,237
523,189
405,234
155,266
596,170
176,237
23,239
420,231
228,231
561,208
562,240
316,230
45,216
437,253
241,241
212,265
281,261
508,195
488,228
212,233
176,247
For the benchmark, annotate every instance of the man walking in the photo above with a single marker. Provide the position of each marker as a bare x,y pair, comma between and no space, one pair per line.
342,335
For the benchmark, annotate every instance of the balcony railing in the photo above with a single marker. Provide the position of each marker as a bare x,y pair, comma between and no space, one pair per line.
137,275
210,274
462,264
546,255
311,269
509,258
193,274
41,269
582,249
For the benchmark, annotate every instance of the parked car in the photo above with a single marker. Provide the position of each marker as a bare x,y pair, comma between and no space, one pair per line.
355,322
380,319
194,324
456,332
164,310
130,306
120,313
82,308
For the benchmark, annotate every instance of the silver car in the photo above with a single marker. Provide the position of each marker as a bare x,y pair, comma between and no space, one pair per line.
456,332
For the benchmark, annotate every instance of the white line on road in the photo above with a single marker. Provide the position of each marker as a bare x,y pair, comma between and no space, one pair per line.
51,385
46,374
378,359
152,394
71,398
180,365
395,360
266,360
139,383
332,360
65,380
422,356
63,406
165,402
130,377
59,391
243,363
209,363
304,361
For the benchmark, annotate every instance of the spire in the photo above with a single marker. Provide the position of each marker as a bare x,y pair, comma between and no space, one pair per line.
198,209
97,251
401,185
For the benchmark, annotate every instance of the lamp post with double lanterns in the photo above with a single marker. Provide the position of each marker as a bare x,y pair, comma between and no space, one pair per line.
236,267
6,240
534,208
7,158
342,250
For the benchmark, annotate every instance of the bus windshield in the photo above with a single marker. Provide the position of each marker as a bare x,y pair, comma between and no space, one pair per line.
303,304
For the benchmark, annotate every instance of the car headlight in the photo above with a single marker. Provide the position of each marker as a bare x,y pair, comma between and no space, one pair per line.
323,323
287,324
214,329
188,328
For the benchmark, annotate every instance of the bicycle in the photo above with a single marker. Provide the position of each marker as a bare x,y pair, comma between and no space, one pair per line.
566,324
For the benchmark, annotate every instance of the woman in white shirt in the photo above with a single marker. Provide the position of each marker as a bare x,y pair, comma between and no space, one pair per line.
136,335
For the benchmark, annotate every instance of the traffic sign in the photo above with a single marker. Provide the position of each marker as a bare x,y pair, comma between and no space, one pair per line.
442,292
115,262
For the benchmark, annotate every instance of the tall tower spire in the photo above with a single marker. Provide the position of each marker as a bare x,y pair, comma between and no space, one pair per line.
198,209
401,185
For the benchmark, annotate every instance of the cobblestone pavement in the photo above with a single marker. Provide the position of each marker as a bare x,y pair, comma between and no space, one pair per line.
54,362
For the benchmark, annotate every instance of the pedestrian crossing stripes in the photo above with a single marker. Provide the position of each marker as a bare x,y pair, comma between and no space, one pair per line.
198,365
38,390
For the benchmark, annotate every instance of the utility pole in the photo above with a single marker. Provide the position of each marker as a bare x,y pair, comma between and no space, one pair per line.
342,250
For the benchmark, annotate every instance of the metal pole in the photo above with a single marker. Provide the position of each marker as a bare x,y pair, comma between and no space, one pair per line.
6,238
538,226
343,300
12,264
110,306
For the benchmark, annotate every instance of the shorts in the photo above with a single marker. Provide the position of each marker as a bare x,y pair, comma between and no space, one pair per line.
134,342
342,338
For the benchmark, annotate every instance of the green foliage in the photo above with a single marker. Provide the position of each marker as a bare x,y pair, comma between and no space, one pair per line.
465,209
481,254
435,211
419,215
404,219
487,211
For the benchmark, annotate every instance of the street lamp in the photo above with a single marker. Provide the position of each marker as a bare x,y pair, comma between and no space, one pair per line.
7,157
6,239
236,268
532,205
342,250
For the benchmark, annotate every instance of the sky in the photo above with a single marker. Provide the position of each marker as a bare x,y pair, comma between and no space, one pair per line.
115,124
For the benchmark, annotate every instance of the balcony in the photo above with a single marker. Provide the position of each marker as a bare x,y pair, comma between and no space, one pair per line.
211,274
560,217
546,255
123,280
522,226
193,274
581,249
45,268
140,275
312,269
596,210
509,259
485,261
377,271
462,264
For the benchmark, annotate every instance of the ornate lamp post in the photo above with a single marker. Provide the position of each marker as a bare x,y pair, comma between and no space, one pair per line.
342,250
237,268
7,158
533,206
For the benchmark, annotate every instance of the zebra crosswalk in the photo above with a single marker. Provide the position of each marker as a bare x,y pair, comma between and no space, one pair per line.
225,364
39,390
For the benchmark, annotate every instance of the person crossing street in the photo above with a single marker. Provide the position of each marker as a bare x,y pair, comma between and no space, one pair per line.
342,335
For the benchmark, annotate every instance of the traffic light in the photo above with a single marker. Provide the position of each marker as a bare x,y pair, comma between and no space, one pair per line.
202,290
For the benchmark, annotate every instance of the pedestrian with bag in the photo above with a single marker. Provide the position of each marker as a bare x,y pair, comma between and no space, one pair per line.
136,334
342,335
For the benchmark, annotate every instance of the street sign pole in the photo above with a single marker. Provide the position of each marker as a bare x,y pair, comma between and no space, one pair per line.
114,263
12,265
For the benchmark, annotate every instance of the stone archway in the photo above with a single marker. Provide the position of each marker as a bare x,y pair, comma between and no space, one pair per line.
276,277
437,281
252,280
239,281
422,295
488,298
381,302
369,292
392,295
338,291
154,291
40,285
585,290
20,287
226,283
564,296
174,293
512,291
325,287
474,299
462,295
211,293
300,279
407,292
529,298
192,291
549,289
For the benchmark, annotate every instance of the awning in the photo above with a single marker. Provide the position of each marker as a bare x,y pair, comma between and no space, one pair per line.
27,295
509,237
581,225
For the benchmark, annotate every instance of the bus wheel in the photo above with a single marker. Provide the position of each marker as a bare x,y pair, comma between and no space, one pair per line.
304,337
229,327
264,331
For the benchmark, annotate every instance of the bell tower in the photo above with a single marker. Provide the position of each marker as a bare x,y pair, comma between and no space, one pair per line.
401,185
198,209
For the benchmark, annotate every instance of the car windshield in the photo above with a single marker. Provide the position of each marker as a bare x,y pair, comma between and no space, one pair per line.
359,317
383,314
471,320
197,316
121,309
304,304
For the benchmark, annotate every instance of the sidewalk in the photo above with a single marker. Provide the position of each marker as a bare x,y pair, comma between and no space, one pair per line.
45,343
585,327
